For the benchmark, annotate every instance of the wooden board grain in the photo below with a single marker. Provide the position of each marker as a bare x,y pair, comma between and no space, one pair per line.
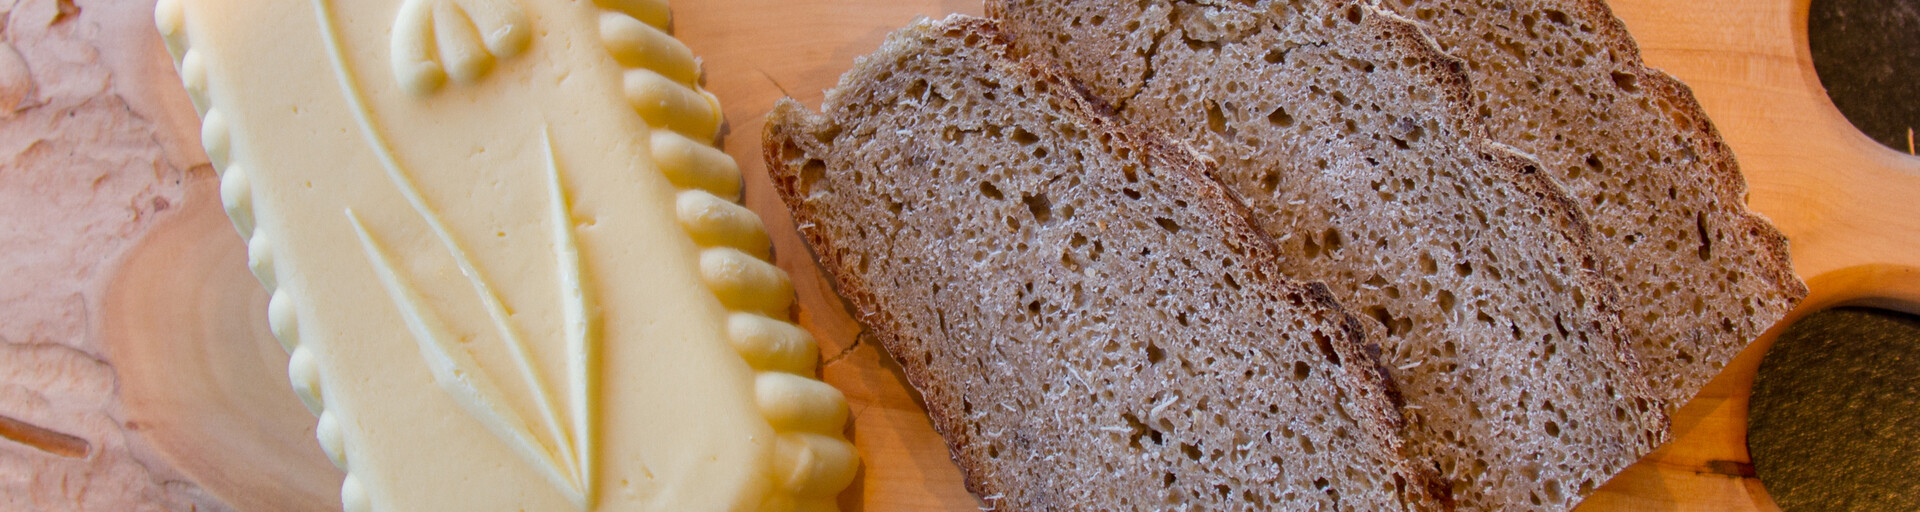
206,390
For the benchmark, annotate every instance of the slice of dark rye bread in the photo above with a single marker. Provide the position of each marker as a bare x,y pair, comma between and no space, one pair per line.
1700,275
1093,322
1354,141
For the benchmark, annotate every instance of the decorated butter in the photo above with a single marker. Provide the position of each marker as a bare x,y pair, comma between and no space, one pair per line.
505,256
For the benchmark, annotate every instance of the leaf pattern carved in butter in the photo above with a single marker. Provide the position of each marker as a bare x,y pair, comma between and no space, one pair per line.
555,443
556,438
434,40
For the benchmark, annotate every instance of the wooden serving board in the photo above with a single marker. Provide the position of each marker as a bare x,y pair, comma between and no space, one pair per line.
199,386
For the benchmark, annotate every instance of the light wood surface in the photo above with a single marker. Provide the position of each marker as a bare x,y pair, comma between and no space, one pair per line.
202,386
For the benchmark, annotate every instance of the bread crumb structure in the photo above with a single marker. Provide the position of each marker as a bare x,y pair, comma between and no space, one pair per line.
1095,324
1356,143
1699,274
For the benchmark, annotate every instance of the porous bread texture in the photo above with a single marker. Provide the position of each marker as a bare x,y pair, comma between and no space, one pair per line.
1699,274
1354,142
1094,324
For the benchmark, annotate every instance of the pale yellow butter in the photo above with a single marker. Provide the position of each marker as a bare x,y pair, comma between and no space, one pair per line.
505,257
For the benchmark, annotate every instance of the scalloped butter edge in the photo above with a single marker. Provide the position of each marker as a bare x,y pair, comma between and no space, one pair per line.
807,461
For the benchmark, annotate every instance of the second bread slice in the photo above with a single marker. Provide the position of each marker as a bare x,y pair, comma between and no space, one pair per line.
1094,323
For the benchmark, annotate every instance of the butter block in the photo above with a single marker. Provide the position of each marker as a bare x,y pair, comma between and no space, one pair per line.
507,260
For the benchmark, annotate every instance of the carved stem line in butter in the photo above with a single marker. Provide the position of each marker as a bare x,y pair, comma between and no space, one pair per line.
458,373
580,331
542,396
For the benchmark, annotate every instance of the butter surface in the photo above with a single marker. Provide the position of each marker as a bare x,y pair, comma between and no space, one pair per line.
503,254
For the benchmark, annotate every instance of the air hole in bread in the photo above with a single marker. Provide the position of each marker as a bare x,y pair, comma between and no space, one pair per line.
992,192
791,152
1706,239
1326,347
811,173
1333,240
1040,207
1558,17
1627,82
1270,181
1375,282
917,89
1023,137
1167,224
1276,55
1280,118
1192,452
1217,120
